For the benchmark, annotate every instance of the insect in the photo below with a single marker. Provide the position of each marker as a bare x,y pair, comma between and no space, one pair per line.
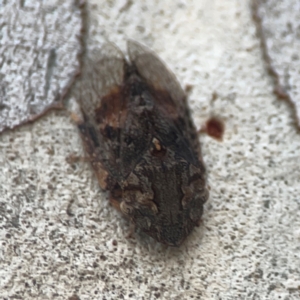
140,139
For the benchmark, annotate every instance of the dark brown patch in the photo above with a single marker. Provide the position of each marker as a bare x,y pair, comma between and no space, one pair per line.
215,128
110,108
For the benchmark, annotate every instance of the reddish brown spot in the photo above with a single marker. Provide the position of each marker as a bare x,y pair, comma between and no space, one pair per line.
102,174
215,128
115,198
112,109
115,203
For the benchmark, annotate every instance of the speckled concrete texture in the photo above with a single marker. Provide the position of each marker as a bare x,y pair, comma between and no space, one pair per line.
59,235
278,25
38,55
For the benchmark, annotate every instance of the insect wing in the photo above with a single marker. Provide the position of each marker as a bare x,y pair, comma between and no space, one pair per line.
155,73
103,71
100,98
173,99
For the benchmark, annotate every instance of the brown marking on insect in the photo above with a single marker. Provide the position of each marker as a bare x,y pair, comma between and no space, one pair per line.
75,118
102,174
111,110
115,203
136,128
72,158
167,105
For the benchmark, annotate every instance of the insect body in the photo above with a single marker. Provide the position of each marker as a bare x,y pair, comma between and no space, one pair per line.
137,131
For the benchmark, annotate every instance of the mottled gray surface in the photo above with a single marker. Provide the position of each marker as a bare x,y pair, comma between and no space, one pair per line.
280,31
39,45
59,236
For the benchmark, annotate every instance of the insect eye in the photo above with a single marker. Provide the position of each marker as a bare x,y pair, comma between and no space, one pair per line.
158,149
